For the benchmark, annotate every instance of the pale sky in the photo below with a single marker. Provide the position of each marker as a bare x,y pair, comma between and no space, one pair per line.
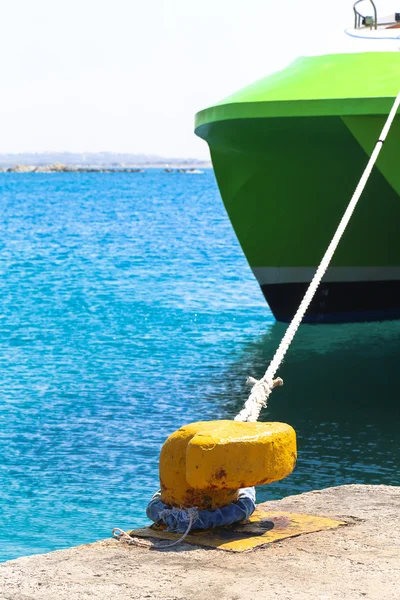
129,76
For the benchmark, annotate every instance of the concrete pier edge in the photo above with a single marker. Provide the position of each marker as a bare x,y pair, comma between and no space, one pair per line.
361,560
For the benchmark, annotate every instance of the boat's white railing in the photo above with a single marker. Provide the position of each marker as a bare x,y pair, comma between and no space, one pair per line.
359,19
373,23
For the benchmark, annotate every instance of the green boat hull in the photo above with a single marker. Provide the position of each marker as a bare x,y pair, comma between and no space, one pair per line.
288,153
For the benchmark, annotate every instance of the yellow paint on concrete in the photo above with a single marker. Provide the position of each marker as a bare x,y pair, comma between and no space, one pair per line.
204,464
263,527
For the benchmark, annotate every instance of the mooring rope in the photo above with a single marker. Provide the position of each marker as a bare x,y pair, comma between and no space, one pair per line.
123,536
263,387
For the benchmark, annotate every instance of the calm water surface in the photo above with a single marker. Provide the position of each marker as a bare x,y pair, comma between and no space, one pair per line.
128,309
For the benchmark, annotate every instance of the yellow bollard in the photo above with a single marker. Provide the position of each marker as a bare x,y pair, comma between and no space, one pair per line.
204,464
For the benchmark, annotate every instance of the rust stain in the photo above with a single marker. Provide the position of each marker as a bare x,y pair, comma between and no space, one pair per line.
280,522
191,497
220,474
207,502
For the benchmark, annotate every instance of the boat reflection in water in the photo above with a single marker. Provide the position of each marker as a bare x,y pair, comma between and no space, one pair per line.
341,394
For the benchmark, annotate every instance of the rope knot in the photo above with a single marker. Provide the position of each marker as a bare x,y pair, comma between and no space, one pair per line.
260,391
178,519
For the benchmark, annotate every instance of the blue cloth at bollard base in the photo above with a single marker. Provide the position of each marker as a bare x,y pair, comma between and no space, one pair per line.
177,520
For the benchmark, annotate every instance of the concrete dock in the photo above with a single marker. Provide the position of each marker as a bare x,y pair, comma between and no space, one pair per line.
359,560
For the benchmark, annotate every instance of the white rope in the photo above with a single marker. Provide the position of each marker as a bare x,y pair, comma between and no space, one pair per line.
260,391
263,387
123,536
192,516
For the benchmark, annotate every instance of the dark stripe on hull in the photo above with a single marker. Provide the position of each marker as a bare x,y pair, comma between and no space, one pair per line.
345,302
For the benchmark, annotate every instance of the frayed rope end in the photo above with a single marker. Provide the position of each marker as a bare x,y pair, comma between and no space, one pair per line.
275,383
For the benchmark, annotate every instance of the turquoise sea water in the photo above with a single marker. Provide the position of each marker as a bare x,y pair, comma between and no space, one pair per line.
127,309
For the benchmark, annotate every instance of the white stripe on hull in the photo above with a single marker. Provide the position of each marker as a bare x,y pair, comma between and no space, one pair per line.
270,275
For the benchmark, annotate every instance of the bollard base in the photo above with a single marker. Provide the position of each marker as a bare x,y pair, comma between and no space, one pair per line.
262,528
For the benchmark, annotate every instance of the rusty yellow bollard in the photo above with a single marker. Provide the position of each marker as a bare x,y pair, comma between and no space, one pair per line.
204,464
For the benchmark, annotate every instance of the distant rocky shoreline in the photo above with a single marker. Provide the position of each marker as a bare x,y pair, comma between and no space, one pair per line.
61,168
